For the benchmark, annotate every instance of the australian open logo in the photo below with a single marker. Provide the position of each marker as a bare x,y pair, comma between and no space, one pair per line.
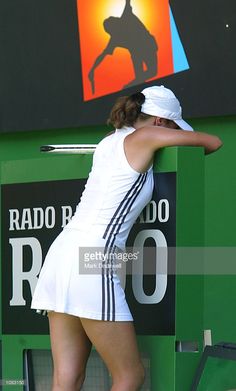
125,43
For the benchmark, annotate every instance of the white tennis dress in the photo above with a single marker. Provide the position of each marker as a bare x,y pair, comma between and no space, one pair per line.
114,196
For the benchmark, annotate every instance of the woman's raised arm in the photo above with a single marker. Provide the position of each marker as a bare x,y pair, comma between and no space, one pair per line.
153,138
141,145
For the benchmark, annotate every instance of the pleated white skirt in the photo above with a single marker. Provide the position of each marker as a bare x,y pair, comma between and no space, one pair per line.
64,286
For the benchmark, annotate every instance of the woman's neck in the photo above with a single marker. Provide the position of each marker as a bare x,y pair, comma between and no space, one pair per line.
140,124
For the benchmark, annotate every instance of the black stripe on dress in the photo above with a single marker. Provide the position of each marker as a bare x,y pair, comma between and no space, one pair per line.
120,216
120,206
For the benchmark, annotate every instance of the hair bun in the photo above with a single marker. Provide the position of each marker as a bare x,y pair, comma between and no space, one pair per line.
138,98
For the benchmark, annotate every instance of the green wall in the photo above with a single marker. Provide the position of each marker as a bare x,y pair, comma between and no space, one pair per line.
220,214
220,205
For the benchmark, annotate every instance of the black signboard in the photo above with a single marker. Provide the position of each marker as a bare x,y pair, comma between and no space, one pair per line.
33,214
151,296
63,64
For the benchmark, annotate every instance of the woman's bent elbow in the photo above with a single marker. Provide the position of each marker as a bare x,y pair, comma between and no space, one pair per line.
216,143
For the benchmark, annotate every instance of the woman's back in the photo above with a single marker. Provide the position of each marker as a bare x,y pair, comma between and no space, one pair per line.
114,195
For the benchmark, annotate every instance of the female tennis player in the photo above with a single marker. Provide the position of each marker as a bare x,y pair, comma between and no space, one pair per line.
87,308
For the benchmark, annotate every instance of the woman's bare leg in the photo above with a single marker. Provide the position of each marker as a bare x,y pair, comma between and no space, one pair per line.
70,349
116,344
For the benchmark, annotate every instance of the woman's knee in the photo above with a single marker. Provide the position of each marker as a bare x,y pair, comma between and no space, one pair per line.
65,379
130,380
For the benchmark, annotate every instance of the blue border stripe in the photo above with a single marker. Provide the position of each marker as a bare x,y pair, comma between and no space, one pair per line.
179,56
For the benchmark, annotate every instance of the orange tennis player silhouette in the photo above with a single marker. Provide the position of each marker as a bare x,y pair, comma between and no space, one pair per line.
130,33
